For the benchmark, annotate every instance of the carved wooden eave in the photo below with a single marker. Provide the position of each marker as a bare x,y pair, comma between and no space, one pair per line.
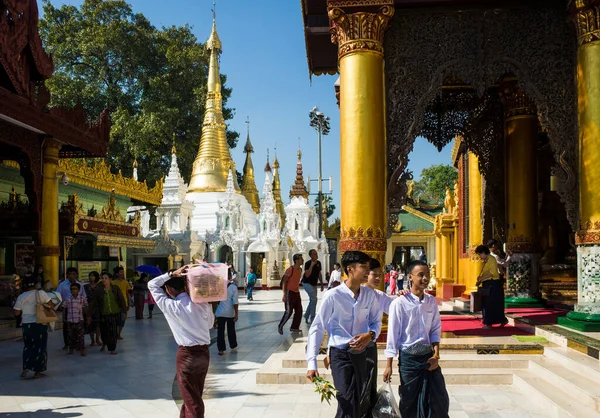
418,213
23,96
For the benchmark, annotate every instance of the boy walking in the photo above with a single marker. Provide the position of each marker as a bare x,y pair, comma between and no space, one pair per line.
76,305
291,295
414,330
227,314
250,282
350,314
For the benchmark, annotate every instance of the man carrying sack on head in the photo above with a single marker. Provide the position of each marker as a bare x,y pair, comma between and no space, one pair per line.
190,323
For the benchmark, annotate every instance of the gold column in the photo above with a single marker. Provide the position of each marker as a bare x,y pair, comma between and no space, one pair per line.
48,251
362,132
587,311
445,268
475,223
521,133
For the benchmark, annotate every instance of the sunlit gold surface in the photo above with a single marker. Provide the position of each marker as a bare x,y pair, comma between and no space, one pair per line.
213,162
588,83
475,222
277,191
49,250
521,132
249,189
362,142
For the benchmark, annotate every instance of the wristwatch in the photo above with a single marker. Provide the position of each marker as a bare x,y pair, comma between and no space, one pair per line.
373,335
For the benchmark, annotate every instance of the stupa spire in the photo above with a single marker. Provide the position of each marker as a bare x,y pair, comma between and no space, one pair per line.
299,188
249,189
268,165
277,189
213,161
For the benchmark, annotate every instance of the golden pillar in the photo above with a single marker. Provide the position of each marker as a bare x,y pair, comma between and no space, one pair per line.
359,37
587,311
445,268
521,134
475,221
48,251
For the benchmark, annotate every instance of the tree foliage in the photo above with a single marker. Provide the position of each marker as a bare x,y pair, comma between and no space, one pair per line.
152,80
328,201
434,181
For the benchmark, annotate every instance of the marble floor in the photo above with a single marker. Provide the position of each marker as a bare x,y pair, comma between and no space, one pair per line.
139,381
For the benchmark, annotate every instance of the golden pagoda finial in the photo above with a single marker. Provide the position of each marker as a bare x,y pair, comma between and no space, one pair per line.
213,161
249,189
299,188
135,163
277,189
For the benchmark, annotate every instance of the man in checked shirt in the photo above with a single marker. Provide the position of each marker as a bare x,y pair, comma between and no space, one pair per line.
76,305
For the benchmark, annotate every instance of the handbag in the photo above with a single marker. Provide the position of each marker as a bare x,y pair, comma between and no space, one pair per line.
43,314
483,291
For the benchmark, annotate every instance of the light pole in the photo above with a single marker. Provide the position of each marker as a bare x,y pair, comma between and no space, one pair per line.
321,123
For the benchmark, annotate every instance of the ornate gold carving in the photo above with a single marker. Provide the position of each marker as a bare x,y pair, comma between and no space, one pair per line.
455,149
68,243
516,102
99,177
47,251
120,241
587,20
360,239
521,244
73,207
110,211
589,233
359,31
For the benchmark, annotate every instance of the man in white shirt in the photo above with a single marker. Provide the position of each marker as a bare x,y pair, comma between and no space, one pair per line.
503,260
335,278
64,289
227,315
350,314
414,330
190,324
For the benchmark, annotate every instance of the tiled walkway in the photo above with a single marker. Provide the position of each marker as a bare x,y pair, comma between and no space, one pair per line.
139,381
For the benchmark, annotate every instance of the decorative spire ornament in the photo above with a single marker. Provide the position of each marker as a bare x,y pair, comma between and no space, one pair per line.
213,161
299,188
249,189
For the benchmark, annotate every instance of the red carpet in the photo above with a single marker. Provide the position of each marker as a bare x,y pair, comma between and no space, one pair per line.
539,315
468,325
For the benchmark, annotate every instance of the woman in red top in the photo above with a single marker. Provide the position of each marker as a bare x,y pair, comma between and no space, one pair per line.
291,295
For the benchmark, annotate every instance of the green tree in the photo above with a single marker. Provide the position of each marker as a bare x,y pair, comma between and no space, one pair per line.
328,201
434,181
152,80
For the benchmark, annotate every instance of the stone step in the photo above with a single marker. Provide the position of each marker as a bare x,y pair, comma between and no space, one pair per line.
585,389
549,399
574,360
454,360
278,375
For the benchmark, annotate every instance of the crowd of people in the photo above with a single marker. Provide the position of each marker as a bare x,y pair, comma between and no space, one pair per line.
98,309
350,316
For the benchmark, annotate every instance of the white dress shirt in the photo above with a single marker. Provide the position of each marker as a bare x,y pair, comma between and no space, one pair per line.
343,317
64,288
226,307
27,304
384,300
335,276
190,322
502,263
412,321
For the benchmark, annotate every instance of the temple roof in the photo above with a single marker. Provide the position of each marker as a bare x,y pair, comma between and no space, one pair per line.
321,53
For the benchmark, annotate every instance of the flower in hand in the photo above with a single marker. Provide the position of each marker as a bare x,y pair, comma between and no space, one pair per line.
324,388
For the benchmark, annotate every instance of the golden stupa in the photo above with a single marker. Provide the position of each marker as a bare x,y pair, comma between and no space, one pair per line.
277,190
213,162
249,189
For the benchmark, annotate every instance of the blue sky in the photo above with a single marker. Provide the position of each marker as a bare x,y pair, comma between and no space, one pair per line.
264,58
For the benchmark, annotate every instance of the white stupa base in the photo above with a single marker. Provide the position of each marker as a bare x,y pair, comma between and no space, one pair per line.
204,215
